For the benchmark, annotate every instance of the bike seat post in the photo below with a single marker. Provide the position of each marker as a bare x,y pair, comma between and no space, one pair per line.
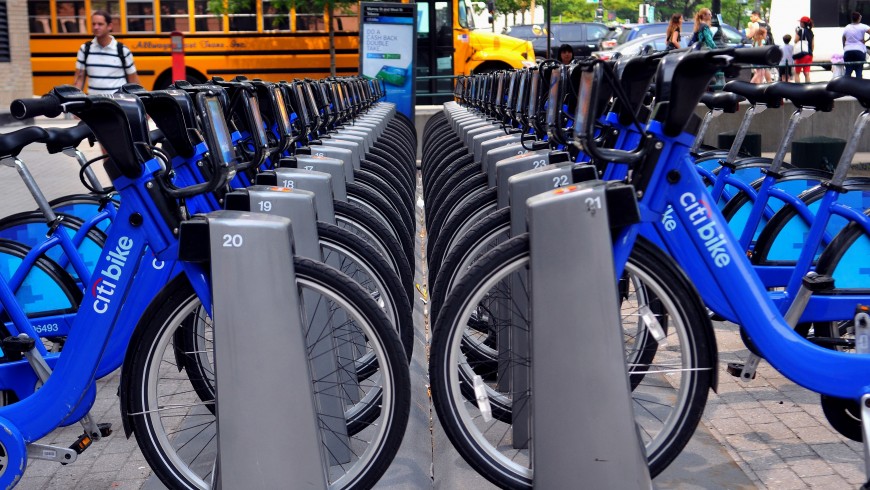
751,112
810,284
89,172
845,162
35,191
702,130
797,116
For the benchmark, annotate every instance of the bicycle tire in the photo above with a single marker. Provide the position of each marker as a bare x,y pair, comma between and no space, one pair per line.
463,167
454,201
340,248
459,224
382,210
391,156
483,237
690,331
362,263
452,150
67,289
381,167
356,219
375,185
388,399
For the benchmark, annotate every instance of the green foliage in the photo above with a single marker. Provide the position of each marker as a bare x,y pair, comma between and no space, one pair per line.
627,10
330,6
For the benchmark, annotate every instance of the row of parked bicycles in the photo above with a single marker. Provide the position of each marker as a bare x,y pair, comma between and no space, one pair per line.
109,278
716,234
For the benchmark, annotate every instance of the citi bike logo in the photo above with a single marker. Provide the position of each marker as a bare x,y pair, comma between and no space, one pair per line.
699,213
104,287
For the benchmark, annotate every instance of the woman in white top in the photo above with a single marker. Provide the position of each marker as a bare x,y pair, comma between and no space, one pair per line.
854,50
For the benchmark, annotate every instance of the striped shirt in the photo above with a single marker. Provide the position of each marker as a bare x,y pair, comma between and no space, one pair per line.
106,72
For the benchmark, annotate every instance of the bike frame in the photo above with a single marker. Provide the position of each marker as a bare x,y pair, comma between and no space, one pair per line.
76,367
711,256
820,307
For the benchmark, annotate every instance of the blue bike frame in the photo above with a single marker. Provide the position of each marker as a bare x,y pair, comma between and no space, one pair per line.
711,256
76,367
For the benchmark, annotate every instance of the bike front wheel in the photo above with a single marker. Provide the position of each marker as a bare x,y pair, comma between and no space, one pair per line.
670,381
173,418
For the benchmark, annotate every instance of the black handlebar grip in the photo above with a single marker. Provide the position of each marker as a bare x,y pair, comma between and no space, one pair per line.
47,105
768,55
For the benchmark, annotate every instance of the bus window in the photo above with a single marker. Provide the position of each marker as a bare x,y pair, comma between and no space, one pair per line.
174,16
71,17
39,16
110,6
275,18
245,19
466,15
422,19
140,16
443,23
309,18
204,21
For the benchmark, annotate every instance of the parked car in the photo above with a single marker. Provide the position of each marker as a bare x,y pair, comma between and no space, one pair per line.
583,37
609,39
629,32
655,42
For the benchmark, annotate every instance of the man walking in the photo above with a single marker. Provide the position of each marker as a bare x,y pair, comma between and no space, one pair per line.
103,61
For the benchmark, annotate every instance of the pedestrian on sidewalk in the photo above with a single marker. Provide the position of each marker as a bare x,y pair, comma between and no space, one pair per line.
854,49
103,61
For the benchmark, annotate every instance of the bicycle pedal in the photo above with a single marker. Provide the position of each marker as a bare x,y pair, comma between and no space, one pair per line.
83,442
736,369
105,429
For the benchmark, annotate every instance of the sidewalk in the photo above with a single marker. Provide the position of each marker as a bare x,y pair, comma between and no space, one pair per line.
769,433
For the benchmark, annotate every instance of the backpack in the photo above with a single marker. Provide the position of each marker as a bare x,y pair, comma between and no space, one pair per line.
694,38
769,40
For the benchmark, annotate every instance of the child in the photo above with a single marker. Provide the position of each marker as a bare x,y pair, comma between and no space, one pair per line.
787,60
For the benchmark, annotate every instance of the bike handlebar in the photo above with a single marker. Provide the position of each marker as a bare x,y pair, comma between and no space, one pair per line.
47,105
766,55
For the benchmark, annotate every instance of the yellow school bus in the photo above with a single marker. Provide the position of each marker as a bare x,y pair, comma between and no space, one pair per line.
260,42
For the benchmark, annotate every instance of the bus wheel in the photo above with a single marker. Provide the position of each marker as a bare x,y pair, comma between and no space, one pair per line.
491,66
165,78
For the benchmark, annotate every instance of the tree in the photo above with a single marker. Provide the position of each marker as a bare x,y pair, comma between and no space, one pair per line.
733,12
328,6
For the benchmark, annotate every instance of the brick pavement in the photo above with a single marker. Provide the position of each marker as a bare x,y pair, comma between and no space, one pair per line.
773,430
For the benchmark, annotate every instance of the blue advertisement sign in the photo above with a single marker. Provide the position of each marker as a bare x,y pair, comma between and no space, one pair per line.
388,44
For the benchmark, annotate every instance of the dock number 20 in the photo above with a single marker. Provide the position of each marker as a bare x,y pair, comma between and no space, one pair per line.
233,241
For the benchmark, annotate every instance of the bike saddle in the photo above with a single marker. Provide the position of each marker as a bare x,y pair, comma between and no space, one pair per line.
815,95
121,122
132,88
860,89
726,102
58,139
12,143
754,93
